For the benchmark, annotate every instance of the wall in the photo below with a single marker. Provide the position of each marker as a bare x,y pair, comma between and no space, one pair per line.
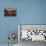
28,12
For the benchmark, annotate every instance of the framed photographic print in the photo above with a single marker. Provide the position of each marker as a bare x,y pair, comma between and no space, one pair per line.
9,12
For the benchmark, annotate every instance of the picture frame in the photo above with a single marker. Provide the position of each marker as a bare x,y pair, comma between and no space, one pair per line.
9,11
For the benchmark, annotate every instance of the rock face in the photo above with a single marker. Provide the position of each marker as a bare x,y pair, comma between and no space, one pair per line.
9,12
